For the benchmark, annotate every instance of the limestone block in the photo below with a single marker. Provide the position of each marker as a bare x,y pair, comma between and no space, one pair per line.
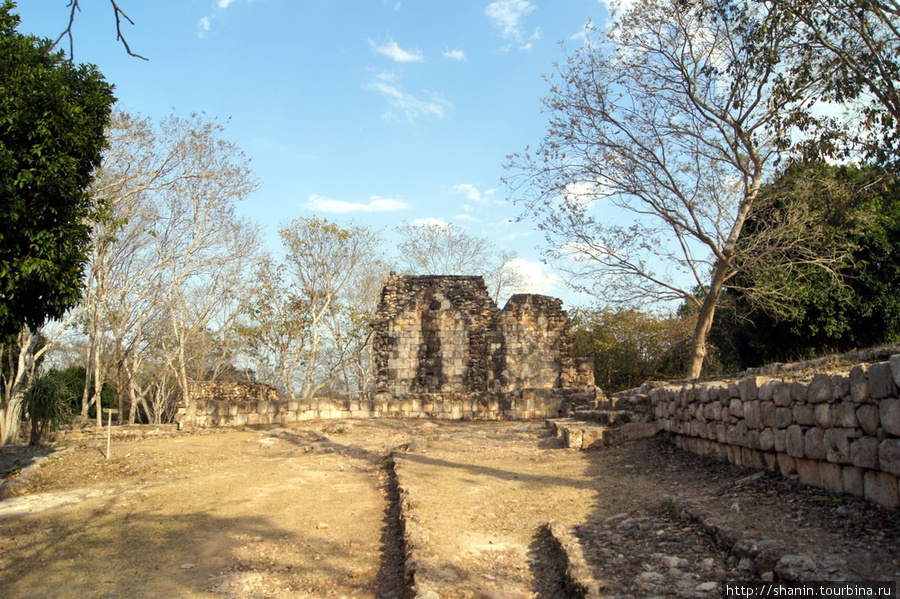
881,487
751,413
889,456
859,382
881,382
779,440
814,444
831,476
820,389
787,465
889,415
837,445
853,480
721,433
794,441
713,410
751,439
823,415
751,458
733,390
781,394
798,391
784,417
841,386
805,415
767,390
843,414
864,453
736,407
869,420
808,472
767,440
895,368
748,388
766,414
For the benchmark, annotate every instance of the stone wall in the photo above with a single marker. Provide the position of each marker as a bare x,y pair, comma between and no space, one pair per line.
838,431
444,334
245,404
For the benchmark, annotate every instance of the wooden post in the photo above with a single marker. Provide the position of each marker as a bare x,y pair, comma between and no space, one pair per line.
109,411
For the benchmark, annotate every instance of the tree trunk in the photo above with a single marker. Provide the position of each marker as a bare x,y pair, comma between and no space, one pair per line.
705,319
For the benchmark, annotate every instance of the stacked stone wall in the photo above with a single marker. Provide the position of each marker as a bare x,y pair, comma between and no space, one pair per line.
838,431
444,334
223,405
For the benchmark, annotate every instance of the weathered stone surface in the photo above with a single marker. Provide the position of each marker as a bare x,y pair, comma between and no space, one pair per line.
814,444
852,480
823,415
751,414
783,417
444,334
748,388
820,389
894,361
881,382
843,414
889,416
869,420
889,456
781,393
787,465
859,382
794,441
808,472
864,453
831,477
881,487
837,445
805,415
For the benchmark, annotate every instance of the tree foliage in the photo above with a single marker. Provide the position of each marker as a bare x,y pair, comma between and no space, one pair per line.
662,131
629,346
52,119
857,210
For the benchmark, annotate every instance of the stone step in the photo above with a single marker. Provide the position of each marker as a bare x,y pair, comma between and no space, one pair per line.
580,434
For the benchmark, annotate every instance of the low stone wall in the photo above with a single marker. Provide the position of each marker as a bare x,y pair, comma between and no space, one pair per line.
837,431
223,405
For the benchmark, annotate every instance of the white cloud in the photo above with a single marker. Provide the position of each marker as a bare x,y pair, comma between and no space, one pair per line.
411,106
509,16
536,278
393,51
204,24
225,3
455,55
473,194
375,204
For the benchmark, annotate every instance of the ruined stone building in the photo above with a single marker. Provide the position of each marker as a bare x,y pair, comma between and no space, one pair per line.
445,335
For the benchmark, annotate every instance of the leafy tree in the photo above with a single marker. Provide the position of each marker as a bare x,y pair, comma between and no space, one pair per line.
48,403
630,346
857,210
52,116
662,131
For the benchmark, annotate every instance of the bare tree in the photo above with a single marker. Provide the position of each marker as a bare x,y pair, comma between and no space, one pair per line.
329,270
74,8
446,249
662,131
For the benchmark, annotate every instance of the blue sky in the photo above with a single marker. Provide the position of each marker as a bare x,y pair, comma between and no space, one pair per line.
376,111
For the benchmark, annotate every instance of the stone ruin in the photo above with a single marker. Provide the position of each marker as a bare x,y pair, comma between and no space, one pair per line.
442,350
445,335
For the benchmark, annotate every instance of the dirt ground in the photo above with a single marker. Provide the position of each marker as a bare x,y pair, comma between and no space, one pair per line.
312,511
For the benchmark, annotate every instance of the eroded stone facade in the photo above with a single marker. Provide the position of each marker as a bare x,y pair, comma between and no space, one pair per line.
444,334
